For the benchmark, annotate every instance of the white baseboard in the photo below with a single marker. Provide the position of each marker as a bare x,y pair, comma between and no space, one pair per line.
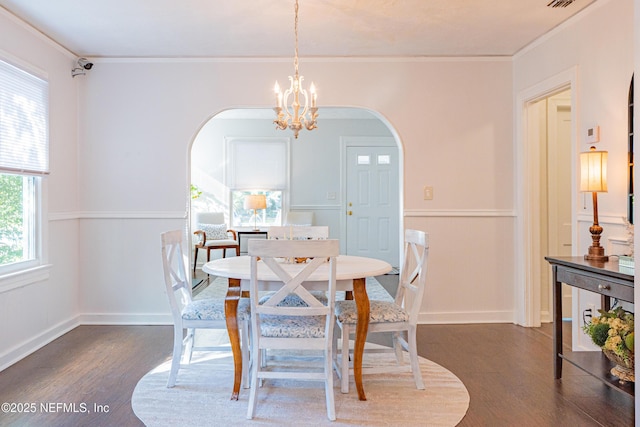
125,319
444,318
546,316
424,318
19,352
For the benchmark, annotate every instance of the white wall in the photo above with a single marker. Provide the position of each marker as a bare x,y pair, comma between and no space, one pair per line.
453,117
33,314
603,61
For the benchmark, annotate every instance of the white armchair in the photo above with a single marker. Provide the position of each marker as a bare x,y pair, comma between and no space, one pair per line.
212,233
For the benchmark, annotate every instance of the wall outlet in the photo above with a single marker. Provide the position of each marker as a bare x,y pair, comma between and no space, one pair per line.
588,314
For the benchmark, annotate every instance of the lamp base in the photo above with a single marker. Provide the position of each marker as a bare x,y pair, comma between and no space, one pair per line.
596,253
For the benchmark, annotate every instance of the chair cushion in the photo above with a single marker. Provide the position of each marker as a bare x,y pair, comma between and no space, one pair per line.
293,300
213,309
221,242
244,309
292,326
214,231
380,312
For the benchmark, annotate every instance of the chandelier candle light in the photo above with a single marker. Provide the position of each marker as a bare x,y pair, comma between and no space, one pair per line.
290,116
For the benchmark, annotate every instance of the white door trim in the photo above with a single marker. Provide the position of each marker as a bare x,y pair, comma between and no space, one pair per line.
527,160
555,106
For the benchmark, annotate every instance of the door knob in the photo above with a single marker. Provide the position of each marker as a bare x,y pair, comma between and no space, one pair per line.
349,213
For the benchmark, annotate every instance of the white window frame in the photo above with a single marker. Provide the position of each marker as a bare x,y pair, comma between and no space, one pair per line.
27,272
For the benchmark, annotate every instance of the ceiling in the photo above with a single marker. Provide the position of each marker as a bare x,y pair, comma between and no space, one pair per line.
264,28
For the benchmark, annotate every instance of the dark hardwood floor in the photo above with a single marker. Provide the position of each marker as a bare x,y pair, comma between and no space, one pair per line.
507,370
90,365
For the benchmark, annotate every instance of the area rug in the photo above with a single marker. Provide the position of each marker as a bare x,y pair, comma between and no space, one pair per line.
201,397
195,282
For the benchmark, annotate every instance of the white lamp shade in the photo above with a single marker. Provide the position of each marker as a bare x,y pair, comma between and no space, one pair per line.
255,201
593,171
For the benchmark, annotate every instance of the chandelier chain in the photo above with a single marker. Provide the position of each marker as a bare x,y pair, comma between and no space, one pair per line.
295,57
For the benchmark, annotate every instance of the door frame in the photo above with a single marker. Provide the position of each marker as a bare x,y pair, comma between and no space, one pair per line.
366,141
528,237
554,107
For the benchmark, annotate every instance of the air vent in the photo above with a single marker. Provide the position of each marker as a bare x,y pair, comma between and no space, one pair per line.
560,3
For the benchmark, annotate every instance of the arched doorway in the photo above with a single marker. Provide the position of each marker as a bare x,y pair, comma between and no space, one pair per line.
309,179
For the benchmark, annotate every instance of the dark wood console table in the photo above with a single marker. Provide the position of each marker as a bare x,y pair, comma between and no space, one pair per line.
606,279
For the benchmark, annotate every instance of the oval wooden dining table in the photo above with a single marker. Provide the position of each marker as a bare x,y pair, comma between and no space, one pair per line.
351,274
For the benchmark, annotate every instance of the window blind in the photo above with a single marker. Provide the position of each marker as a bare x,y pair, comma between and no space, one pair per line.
257,164
24,133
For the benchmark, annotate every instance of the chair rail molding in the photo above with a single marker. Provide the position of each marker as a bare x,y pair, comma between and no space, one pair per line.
314,207
69,216
607,218
459,213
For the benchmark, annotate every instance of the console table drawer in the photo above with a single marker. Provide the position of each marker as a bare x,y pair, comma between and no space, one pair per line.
595,284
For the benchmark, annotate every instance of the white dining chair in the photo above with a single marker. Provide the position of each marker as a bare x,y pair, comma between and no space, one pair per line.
314,232
299,232
299,218
193,314
399,316
292,328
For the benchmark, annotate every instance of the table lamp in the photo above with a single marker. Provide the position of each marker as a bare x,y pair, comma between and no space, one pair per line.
593,178
255,202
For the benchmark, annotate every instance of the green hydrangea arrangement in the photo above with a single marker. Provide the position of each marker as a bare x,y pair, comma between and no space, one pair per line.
613,331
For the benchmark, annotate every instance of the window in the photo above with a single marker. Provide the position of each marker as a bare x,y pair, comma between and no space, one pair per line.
384,159
257,166
266,217
363,160
24,159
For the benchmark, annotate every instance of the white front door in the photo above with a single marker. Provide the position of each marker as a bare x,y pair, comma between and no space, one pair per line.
372,202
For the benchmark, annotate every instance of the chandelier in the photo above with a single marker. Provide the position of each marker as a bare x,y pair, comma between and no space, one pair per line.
289,115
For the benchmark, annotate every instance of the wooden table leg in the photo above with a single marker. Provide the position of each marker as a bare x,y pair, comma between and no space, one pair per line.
362,327
231,315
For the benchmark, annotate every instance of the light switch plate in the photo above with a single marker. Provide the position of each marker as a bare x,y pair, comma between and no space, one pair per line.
593,135
428,192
